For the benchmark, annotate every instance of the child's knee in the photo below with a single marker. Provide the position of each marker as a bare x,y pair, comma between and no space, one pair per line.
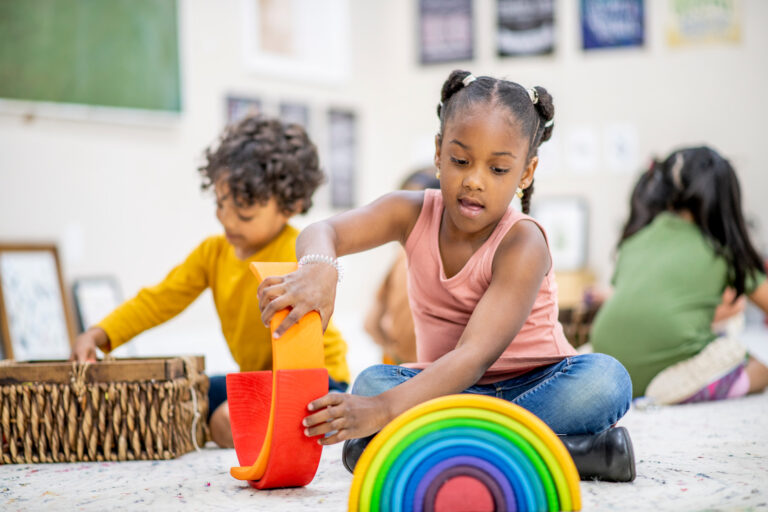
221,429
605,391
613,384
377,379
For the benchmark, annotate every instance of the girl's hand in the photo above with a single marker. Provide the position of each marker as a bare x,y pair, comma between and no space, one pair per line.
348,416
311,288
727,307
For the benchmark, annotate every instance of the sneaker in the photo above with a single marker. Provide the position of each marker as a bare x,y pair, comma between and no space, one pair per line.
684,379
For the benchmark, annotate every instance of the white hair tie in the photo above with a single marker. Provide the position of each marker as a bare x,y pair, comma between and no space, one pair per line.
468,79
534,95
676,171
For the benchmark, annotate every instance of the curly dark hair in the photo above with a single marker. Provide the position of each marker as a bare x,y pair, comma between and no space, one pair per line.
261,158
535,119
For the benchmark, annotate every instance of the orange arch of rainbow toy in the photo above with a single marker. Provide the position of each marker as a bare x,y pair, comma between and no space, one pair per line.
266,408
447,448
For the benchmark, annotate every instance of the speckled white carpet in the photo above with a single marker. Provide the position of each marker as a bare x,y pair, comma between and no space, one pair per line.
710,456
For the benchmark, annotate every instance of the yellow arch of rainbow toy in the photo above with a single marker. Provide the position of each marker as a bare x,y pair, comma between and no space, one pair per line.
560,463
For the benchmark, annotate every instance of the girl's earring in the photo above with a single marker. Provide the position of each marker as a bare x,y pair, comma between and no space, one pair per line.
519,192
437,174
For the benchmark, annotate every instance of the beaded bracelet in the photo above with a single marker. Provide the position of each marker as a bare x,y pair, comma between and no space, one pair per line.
309,259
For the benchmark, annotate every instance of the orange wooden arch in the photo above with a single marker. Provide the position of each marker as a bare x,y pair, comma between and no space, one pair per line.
266,408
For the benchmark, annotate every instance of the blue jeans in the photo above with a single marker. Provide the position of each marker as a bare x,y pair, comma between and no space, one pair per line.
583,394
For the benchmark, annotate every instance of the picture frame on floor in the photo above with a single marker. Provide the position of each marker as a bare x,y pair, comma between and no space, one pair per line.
35,318
94,298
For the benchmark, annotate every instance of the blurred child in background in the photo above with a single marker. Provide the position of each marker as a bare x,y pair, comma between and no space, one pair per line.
685,249
389,321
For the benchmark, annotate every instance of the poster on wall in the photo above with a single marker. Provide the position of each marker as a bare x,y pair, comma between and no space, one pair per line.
703,21
612,23
525,27
621,148
238,107
294,113
582,149
445,31
342,157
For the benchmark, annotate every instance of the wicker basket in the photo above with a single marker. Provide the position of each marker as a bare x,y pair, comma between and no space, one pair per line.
120,409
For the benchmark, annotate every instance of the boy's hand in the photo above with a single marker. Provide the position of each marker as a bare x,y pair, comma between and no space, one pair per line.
347,416
310,288
85,346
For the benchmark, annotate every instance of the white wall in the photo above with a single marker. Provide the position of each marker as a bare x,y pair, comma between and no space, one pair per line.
124,199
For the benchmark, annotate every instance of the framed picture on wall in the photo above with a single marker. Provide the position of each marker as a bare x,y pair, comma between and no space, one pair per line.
566,221
304,40
34,315
238,107
525,27
445,31
703,22
612,24
342,161
297,113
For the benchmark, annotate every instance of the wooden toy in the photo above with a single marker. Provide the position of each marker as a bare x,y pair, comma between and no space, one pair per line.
465,449
266,408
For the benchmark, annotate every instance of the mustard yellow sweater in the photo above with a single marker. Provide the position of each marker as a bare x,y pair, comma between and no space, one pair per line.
214,264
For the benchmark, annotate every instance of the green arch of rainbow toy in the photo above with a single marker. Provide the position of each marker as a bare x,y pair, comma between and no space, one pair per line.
518,455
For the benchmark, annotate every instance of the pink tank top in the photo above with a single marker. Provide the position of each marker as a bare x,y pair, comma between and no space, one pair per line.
442,307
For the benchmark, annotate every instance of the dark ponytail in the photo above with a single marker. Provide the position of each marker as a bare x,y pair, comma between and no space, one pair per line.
535,119
652,195
705,184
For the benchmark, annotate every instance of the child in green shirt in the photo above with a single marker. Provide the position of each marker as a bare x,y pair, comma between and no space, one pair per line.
684,243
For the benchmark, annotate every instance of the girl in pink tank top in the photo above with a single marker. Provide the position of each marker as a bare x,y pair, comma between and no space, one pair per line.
481,288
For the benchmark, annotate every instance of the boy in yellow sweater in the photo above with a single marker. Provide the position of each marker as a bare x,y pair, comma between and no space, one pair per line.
263,172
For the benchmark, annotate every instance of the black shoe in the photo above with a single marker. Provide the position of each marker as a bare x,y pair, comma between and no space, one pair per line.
606,456
352,450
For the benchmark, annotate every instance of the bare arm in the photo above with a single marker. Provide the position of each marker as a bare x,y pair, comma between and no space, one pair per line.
520,264
760,296
313,287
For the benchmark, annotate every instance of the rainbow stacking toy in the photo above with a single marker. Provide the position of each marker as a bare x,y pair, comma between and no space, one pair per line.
266,408
465,452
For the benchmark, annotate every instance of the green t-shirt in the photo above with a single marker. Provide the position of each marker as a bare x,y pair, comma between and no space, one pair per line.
667,283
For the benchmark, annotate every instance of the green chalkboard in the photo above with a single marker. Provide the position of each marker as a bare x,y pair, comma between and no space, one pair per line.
117,53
